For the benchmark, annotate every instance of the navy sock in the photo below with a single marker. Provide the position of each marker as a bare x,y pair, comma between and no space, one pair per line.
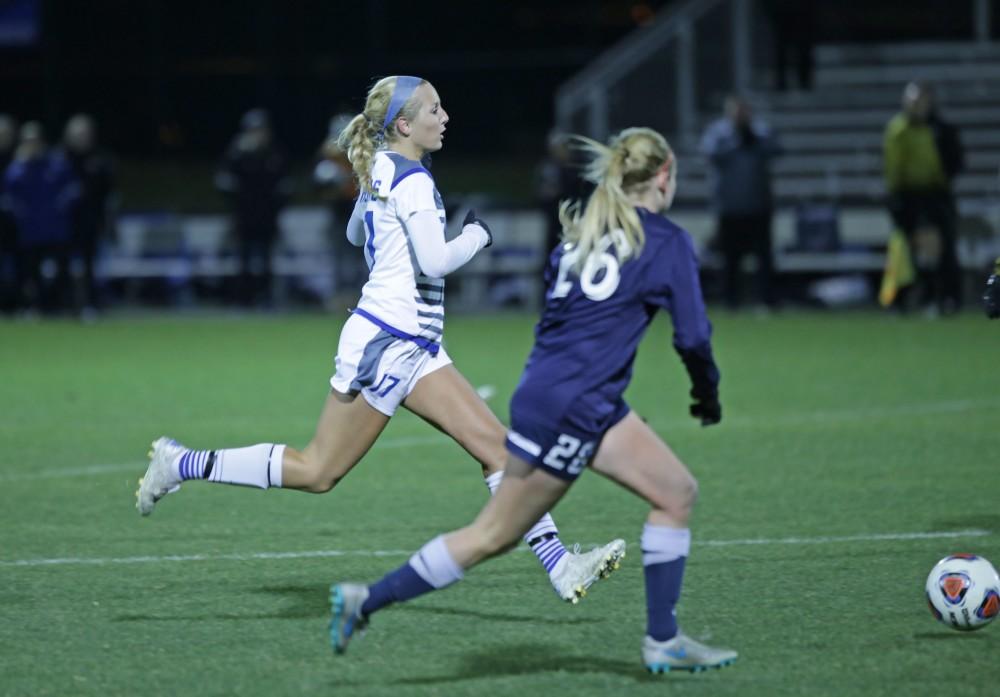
402,584
663,590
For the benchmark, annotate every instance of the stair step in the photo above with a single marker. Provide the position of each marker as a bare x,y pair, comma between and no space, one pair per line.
833,135
962,117
977,162
904,53
852,183
861,97
871,139
896,75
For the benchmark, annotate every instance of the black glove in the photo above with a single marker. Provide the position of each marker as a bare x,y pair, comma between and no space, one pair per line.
471,219
708,410
991,298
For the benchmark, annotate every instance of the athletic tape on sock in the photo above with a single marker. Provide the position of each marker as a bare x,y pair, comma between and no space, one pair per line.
434,563
662,544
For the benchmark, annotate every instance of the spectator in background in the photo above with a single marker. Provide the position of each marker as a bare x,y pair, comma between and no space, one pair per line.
740,148
254,175
922,155
334,178
8,229
41,191
94,172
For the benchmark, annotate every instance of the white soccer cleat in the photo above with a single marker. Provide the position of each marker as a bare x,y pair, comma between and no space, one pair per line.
577,572
346,619
683,653
159,479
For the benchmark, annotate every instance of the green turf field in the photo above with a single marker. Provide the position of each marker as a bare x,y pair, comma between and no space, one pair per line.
855,451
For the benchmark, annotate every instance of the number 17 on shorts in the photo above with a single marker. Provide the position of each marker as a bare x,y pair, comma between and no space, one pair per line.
385,385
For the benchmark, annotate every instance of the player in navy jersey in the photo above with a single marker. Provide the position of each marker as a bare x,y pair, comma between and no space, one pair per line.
390,350
621,261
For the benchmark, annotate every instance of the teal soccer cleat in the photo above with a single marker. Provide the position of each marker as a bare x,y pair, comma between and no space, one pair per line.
346,619
683,653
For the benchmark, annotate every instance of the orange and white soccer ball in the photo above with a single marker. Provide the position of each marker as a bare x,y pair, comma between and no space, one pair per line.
963,591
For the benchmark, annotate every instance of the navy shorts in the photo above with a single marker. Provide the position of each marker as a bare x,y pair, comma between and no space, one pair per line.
562,450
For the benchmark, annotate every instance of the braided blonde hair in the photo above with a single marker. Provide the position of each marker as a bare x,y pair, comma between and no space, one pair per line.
363,136
622,167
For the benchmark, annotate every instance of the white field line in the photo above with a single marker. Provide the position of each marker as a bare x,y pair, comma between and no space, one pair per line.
840,416
105,561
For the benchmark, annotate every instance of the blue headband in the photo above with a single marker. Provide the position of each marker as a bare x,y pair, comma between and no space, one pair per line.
405,85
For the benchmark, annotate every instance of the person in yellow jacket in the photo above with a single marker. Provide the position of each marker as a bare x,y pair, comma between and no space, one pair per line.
922,155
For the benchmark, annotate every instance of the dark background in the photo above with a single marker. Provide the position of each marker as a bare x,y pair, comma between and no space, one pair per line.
173,77
168,80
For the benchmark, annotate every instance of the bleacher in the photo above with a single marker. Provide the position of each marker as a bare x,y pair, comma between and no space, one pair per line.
179,249
832,134
833,141
832,137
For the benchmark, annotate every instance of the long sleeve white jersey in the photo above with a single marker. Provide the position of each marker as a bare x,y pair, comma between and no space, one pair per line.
402,224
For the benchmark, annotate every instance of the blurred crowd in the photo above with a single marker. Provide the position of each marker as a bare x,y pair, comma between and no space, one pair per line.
54,203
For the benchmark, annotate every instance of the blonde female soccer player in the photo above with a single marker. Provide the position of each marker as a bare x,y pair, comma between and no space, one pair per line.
390,350
621,261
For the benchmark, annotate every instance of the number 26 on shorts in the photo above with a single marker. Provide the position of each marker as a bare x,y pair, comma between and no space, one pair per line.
569,454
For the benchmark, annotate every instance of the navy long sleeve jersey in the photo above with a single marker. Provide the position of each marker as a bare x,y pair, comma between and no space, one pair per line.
586,339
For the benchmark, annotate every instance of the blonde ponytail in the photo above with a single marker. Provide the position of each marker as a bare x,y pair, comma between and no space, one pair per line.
364,135
625,165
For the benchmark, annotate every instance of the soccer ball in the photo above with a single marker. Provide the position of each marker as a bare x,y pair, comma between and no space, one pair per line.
963,592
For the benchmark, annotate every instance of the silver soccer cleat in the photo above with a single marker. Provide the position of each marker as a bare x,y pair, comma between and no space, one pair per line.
577,572
346,619
683,653
159,479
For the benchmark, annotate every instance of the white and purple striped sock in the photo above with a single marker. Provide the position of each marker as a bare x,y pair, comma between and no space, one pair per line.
543,538
257,465
549,551
196,464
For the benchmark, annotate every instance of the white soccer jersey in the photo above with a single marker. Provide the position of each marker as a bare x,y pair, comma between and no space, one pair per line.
398,296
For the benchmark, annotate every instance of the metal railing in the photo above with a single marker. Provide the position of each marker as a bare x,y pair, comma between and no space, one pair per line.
662,74
670,72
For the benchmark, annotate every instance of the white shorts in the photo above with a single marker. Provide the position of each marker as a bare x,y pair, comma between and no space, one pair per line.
380,366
